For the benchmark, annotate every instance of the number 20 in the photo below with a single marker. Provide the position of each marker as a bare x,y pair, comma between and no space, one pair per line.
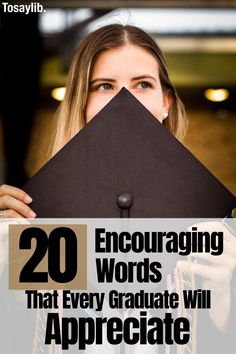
52,245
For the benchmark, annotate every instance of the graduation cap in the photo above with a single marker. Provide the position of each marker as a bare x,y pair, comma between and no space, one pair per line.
125,162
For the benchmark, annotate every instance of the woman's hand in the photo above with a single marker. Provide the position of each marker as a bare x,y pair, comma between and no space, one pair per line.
14,203
216,273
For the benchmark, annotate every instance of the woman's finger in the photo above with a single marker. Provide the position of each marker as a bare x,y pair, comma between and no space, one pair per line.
15,193
10,214
229,249
213,226
8,202
224,260
216,274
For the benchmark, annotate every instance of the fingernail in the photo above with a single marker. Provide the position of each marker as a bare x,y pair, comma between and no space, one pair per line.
28,199
32,214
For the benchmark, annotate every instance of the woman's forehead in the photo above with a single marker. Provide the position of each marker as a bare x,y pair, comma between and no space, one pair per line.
130,59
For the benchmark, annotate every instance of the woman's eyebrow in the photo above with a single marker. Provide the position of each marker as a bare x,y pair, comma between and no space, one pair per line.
102,79
140,77
143,77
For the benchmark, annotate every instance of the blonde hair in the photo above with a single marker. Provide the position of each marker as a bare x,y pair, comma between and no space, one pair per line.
71,114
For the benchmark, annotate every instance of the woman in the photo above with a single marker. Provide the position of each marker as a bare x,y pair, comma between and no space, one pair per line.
110,58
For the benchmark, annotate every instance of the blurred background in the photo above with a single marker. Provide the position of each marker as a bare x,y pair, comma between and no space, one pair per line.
198,39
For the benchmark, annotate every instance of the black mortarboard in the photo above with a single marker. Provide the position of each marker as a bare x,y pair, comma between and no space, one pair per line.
125,149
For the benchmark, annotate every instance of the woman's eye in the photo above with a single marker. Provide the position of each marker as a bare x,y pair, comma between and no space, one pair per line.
144,85
104,87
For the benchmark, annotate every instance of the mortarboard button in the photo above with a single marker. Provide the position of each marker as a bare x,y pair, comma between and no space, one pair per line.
125,200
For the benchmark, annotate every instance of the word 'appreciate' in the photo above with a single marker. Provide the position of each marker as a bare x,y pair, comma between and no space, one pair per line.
87,331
